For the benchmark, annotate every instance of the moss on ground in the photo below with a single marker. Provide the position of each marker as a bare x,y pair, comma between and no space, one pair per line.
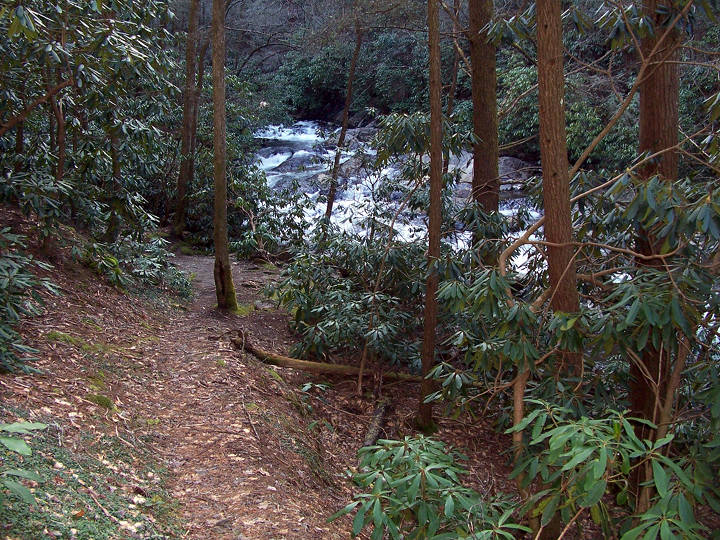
101,488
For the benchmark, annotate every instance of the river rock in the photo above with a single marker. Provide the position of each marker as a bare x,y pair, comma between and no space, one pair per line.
300,160
272,150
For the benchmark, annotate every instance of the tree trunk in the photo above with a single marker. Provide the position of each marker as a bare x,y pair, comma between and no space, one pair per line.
59,114
113,227
425,420
346,115
453,75
51,127
196,107
553,154
188,114
658,122
556,183
486,181
19,146
224,288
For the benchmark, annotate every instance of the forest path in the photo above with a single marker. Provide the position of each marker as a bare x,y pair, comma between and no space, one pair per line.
242,463
131,383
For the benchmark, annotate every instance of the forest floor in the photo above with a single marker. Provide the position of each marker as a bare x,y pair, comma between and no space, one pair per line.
159,427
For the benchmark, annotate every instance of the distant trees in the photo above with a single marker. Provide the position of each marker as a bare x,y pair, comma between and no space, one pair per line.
189,117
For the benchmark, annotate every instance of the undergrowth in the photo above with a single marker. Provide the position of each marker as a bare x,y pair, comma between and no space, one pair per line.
94,487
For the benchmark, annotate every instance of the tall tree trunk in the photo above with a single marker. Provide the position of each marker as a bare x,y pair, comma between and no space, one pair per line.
553,154
486,181
659,96
188,114
425,419
224,288
556,183
346,116
51,127
658,131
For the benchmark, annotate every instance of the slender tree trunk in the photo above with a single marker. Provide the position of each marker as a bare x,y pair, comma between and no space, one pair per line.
200,83
188,115
425,419
456,62
51,126
57,110
19,146
486,181
453,76
224,288
553,154
346,116
113,228
659,95
556,182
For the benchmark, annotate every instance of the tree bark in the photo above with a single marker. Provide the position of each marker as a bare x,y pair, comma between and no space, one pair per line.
186,161
453,75
224,288
486,180
346,116
425,419
658,122
553,154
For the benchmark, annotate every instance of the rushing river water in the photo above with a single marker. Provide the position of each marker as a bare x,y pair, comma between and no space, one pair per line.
304,152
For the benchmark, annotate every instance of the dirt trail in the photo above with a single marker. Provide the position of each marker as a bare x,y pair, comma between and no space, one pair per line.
243,459
249,455
240,458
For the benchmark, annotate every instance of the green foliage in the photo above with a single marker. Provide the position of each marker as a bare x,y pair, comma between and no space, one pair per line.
129,262
315,83
10,478
391,76
18,298
100,470
412,489
360,291
331,293
581,460
109,72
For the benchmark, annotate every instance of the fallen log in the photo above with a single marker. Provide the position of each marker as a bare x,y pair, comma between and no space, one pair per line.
243,343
